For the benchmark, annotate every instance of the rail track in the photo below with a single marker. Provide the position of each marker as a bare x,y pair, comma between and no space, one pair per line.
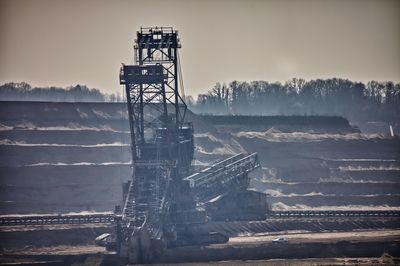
25,220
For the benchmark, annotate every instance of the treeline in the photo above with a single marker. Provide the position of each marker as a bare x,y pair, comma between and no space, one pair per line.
80,93
331,97
337,97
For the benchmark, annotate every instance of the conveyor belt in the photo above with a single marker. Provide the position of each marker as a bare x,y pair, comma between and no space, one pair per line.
228,175
333,213
56,219
110,218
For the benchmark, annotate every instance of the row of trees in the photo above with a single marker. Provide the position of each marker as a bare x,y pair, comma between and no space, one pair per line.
80,93
342,97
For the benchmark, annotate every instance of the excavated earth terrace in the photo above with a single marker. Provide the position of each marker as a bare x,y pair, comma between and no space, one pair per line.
73,157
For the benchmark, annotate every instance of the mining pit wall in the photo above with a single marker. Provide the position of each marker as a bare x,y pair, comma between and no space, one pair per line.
73,157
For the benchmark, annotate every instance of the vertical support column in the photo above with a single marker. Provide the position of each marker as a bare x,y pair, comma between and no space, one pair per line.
141,107
131,124
177,118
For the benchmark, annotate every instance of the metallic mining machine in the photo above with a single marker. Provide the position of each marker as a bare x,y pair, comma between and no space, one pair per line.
165,203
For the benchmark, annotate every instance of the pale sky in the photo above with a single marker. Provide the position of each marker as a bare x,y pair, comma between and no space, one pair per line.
69,42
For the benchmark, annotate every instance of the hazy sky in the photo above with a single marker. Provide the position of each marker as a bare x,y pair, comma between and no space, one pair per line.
62,42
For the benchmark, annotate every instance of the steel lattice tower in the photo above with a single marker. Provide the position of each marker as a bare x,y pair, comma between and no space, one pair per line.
162,144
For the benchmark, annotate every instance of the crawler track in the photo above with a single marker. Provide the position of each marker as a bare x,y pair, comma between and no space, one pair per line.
110,218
